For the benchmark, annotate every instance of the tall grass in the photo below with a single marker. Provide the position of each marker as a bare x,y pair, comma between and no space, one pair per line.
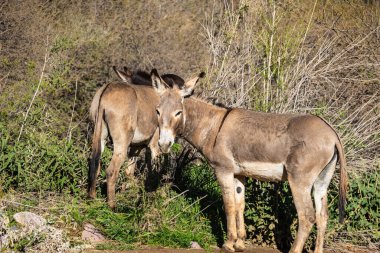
262,60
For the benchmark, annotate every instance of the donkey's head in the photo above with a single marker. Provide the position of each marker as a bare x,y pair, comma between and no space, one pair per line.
170,111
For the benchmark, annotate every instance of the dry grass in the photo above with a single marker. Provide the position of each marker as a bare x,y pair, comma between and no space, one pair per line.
261,59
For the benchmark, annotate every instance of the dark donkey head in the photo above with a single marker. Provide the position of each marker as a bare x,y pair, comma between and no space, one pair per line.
170,111
140,77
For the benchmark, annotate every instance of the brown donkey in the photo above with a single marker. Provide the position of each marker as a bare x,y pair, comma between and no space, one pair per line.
238,143
126,111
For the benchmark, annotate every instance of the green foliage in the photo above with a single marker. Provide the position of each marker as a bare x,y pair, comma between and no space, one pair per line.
21,245
270,215
61,44
176,148
42,163
161,218
198,181
362,210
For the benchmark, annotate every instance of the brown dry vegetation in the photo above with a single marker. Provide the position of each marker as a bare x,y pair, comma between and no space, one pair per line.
320,57
84,39
301,57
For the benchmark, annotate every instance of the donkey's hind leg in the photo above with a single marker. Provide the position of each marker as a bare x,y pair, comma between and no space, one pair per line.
301,191
239,206
320,200
120,147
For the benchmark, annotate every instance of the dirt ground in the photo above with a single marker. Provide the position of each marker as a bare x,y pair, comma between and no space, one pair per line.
158,250
251,249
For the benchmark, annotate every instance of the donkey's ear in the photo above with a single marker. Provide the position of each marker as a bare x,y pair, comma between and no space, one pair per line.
189,86
158,84
123,75
126,70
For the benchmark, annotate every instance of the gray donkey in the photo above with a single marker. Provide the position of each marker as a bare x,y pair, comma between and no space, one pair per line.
238,143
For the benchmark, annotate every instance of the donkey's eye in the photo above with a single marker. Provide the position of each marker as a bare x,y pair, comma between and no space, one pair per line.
158,112
178,113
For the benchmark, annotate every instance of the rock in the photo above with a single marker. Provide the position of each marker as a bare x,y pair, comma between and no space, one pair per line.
4,241
34,230
30,220
51,240
91,234
4,221
10,235
195,245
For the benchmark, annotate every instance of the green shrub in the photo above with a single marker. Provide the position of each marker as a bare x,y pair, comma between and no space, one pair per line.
160,218
270,215
41,163
362,210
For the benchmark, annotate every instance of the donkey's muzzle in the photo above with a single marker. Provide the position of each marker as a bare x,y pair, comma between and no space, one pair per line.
166,139
165,147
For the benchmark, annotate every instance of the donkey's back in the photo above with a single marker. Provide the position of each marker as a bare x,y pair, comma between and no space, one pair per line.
129,110
275,137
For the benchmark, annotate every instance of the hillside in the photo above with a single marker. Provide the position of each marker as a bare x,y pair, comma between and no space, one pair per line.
318,57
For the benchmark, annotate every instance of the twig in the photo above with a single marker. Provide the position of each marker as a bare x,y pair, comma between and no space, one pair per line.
4,77
206,207
167,201
38,87
188,207
72,112
20,204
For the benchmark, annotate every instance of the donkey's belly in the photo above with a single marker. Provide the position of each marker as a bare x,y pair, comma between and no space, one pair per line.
139,137
262,171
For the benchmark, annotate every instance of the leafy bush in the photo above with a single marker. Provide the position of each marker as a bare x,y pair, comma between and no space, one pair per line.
362,211
270,215
42,163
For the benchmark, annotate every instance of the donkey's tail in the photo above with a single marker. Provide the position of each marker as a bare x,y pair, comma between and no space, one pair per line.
343,182
97,114
96,153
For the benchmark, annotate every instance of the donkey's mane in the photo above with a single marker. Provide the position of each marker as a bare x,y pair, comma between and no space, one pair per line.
141,77
219,104
210,101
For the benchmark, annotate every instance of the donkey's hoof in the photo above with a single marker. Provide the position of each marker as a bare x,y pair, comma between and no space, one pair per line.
228,246
239,245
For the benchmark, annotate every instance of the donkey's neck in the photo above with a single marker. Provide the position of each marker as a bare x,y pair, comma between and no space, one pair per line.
202,123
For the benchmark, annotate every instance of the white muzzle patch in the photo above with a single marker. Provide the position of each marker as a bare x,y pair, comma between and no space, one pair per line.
166,139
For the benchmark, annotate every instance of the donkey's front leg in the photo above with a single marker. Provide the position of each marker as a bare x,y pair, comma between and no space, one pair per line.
154,148
227,185
239,206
